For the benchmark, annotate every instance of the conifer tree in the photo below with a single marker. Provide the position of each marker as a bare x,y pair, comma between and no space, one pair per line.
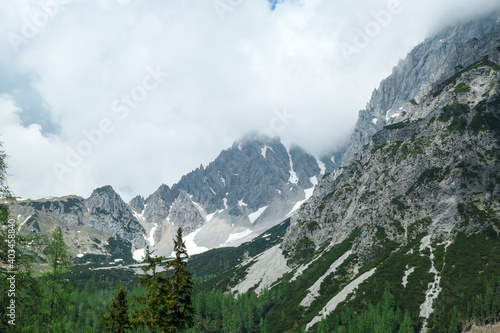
118,320
180,312
406,326
59,288
27,294
152,305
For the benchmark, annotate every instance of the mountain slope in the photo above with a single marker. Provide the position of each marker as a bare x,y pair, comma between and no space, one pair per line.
247,189
417,209
434,60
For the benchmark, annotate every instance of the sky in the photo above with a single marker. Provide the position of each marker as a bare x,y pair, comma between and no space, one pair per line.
134,94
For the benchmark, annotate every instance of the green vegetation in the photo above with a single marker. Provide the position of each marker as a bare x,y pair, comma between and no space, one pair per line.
375,148
384,317
462,88
455,113
435,174
414,102
471,283
487,118
399,125
453,79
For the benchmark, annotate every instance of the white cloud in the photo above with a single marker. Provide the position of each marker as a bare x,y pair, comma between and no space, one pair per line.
225,77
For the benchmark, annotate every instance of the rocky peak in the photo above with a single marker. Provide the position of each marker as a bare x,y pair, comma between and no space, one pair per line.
137,204
433,60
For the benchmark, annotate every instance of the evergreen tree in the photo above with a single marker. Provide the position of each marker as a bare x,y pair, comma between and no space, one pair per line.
180,312
150,312
27,292
406,326
118,319
59,262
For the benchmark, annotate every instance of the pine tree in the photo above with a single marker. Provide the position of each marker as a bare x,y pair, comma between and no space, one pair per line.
167,305
406,325
60,262
118,319
151,306
179,314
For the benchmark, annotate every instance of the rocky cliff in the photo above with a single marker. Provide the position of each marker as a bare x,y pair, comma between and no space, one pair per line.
433,60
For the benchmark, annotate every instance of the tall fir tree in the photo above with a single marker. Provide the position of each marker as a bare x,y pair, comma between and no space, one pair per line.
59,287
117,320
180,310
151,307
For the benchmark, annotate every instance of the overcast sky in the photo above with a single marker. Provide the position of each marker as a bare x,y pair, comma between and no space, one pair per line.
137,93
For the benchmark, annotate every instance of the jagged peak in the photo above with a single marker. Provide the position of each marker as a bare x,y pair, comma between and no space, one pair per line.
106,189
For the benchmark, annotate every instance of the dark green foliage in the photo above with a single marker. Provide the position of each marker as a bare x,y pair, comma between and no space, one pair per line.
366,195
487,118
384,317
414,102
117,320
167,304
432,174
453,110
471,291
59,263
375,148
120,249
462,88
180,309
399,125
453,79
398,203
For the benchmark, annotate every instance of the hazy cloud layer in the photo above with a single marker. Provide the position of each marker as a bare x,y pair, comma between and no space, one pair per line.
135,94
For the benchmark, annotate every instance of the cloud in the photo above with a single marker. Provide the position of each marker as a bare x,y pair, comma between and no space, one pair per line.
229,67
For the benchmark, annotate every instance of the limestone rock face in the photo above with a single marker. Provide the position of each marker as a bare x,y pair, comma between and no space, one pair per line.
433,163
110,214
434,60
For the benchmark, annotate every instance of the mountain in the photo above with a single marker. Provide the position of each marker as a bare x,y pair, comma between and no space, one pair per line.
88,224
407,229
247,189
415,209
432,61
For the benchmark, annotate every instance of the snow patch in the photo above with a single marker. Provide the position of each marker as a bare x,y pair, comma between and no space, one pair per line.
314,289
308,193
242,203
294,179
151,239
80,255
254,216
314,180
237,236
191,246
267,269
225,202
139,254
264,150
340,297
374,121
322,166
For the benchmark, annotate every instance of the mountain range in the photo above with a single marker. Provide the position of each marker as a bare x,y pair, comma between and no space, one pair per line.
411,204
